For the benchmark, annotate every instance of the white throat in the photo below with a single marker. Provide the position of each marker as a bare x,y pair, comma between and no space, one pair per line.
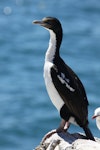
53,94
52,47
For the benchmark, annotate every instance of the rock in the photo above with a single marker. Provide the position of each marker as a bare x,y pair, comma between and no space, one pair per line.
67,141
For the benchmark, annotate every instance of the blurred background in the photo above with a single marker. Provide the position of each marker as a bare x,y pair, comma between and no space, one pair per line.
26,112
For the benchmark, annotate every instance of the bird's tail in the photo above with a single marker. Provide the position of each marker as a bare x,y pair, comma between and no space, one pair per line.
88,133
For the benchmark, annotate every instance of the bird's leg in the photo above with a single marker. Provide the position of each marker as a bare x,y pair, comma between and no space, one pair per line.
64,125
67,125
62,128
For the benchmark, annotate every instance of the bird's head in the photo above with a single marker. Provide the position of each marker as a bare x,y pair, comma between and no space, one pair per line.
96,113
50,23
97,117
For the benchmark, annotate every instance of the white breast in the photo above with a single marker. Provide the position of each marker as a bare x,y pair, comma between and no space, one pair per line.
53,94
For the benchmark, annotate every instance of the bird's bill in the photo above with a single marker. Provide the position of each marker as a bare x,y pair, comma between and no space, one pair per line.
40,22
93,117
37,22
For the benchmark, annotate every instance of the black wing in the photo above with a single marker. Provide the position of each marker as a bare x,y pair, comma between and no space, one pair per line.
70,89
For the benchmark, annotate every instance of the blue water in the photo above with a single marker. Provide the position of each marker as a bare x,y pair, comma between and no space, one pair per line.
26,113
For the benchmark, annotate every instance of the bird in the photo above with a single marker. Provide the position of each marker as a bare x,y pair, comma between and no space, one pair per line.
64,87
97,117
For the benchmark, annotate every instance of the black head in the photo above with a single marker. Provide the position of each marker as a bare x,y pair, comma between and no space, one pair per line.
50,23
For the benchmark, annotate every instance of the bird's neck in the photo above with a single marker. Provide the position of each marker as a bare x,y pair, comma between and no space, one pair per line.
53,49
